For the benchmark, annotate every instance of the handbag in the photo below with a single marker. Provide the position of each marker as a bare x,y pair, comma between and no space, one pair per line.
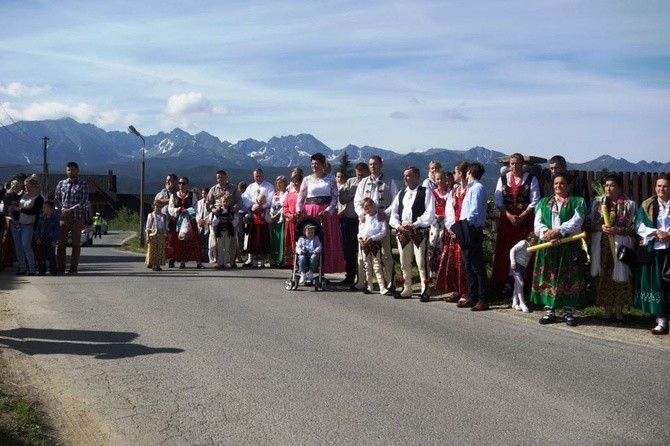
627,255
185,231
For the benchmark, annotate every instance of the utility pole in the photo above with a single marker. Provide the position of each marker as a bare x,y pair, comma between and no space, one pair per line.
46,169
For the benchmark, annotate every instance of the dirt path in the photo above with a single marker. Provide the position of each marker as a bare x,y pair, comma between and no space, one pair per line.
68,417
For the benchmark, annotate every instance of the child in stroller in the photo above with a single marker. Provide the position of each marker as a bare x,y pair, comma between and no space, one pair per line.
307,261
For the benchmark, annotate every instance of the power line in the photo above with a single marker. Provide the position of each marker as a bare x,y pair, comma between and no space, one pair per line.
14,135
16,123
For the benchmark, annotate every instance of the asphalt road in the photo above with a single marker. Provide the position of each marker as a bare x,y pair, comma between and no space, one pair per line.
205,357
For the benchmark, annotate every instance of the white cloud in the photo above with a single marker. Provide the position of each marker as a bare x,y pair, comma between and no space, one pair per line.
188,103
81,112
17,89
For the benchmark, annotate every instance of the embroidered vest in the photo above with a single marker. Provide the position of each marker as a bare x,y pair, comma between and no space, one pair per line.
383,198
519,201
419,205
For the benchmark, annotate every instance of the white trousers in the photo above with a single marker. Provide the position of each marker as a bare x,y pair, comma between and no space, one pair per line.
407,254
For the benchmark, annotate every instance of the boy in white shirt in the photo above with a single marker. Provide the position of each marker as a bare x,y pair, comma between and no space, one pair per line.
370,233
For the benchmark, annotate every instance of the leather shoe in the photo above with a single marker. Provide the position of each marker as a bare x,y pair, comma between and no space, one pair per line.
480,306
548,319
466,303
366,291
453,298
355,288
424,297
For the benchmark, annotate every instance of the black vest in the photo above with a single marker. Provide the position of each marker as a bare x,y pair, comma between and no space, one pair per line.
419,205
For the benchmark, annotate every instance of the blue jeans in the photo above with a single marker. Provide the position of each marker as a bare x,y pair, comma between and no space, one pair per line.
309,262
23,246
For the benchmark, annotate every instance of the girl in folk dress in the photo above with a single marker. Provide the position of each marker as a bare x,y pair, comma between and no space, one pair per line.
259,234
451,277
156,228
277,223
443,184
291,217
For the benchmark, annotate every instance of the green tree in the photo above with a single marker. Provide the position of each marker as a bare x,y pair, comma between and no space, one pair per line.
345,165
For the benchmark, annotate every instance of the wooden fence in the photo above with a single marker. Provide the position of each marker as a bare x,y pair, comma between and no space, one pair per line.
638,186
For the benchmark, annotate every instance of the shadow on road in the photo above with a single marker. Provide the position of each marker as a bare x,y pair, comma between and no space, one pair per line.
99,344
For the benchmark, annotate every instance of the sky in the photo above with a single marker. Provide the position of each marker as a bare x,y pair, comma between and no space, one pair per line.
576,78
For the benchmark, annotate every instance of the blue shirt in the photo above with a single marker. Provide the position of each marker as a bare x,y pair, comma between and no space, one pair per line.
48,227
474,205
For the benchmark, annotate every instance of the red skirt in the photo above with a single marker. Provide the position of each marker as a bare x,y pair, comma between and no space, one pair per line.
509,235
181,250
451,275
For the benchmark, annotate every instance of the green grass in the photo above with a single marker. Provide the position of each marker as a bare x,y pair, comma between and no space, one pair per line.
127,220
20,423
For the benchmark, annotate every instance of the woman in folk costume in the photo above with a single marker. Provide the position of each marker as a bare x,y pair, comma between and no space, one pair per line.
516,194
444,182
558,274
291,216
652,293
318,198
181,208
156,228
451,277
277,224
612,222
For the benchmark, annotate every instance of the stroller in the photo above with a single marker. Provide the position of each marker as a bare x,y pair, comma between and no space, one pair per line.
318,280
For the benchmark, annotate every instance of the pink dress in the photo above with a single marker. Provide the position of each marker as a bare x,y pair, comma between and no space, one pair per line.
315,196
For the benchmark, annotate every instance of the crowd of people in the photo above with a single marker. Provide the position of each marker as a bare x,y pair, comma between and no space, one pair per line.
436,224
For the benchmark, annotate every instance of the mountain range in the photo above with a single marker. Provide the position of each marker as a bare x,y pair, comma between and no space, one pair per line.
198,156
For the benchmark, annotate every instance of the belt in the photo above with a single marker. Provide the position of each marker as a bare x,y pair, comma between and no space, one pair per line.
319,200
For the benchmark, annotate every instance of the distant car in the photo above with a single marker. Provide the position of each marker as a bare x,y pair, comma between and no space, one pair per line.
85,237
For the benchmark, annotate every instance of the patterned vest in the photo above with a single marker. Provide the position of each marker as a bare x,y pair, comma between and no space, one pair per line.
516,203
383,198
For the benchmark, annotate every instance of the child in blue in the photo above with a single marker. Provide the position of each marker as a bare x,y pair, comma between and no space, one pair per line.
47,238
309,253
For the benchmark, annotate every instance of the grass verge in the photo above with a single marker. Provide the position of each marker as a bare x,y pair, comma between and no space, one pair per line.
20,423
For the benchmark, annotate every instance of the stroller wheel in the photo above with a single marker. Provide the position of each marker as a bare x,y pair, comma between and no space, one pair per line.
288,284
323,284
317,283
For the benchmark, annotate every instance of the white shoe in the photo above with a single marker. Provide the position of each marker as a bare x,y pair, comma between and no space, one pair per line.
524,308
302,279
515,303
516,307
310,276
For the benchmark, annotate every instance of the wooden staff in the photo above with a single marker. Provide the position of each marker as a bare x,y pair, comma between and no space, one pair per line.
570,238
606,220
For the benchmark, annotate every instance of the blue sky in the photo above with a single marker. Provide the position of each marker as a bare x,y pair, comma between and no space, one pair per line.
579,78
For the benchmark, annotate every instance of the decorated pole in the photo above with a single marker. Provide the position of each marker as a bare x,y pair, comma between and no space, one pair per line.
570,238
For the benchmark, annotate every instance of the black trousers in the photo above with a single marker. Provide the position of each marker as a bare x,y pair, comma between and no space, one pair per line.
475,267
47,253
350,241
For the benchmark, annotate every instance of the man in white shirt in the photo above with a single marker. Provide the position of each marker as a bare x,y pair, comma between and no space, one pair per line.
382,189
411,214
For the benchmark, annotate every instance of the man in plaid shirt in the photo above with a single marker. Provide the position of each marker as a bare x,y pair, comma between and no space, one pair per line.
72,200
